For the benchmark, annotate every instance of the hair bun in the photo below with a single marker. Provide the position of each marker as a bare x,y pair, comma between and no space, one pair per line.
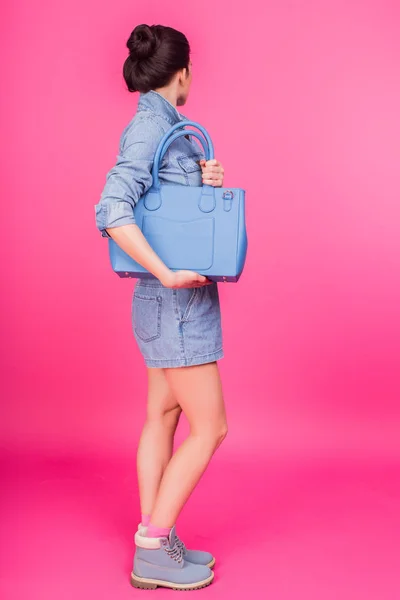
142,43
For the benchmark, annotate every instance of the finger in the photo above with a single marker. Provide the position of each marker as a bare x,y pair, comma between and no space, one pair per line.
213,162
213,182
215,170
212,176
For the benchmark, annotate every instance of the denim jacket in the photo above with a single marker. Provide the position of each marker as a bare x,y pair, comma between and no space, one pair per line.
131,177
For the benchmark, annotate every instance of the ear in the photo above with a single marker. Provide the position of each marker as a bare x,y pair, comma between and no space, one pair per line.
185,74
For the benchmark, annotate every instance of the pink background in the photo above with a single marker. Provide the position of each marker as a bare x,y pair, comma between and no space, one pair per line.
302,101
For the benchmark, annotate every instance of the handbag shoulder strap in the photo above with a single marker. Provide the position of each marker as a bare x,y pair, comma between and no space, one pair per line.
172,135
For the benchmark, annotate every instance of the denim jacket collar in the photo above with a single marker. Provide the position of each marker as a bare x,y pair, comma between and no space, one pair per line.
160,106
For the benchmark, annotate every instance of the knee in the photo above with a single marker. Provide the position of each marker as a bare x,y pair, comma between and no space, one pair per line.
223,432
213,434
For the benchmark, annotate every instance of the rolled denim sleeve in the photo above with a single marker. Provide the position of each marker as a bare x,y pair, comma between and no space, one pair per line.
131,177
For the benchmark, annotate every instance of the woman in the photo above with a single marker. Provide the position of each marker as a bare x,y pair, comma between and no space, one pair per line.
176,315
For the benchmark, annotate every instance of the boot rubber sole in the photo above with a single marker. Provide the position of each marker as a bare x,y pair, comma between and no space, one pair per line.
211,564
143,583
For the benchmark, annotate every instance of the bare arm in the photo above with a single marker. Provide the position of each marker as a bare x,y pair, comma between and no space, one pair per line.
133,242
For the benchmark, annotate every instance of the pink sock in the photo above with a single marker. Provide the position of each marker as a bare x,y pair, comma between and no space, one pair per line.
145,520
156,532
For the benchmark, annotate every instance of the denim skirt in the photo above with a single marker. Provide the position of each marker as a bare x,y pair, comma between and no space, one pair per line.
176,327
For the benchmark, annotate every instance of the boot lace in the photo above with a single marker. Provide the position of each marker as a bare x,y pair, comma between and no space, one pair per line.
180,544
175,552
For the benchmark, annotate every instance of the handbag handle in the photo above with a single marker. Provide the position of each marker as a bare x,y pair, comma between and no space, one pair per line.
170,137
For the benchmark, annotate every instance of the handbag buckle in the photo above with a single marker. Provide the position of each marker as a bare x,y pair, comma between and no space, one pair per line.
227,198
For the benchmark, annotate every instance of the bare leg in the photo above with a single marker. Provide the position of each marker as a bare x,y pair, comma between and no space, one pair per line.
156,442
199,393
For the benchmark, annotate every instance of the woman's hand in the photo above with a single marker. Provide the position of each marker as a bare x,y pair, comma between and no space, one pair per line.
213,172
184,279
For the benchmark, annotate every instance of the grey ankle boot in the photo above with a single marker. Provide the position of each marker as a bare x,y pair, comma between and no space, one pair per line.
159,562
197,557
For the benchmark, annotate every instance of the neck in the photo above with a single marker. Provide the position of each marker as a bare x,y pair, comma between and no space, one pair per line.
169,94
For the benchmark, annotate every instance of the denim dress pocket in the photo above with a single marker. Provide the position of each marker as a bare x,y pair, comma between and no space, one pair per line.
146,315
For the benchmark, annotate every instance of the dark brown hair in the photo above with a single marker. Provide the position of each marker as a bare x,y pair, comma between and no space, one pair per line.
156,53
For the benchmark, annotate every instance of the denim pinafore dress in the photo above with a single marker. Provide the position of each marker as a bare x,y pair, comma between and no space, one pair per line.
172,327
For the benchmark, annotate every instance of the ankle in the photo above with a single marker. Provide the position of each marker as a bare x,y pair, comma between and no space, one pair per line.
145,520
157,532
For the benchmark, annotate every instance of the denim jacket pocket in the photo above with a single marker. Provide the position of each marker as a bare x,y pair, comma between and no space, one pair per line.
190,164
190,168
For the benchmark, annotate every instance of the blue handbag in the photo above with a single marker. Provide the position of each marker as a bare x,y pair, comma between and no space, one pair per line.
201,228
